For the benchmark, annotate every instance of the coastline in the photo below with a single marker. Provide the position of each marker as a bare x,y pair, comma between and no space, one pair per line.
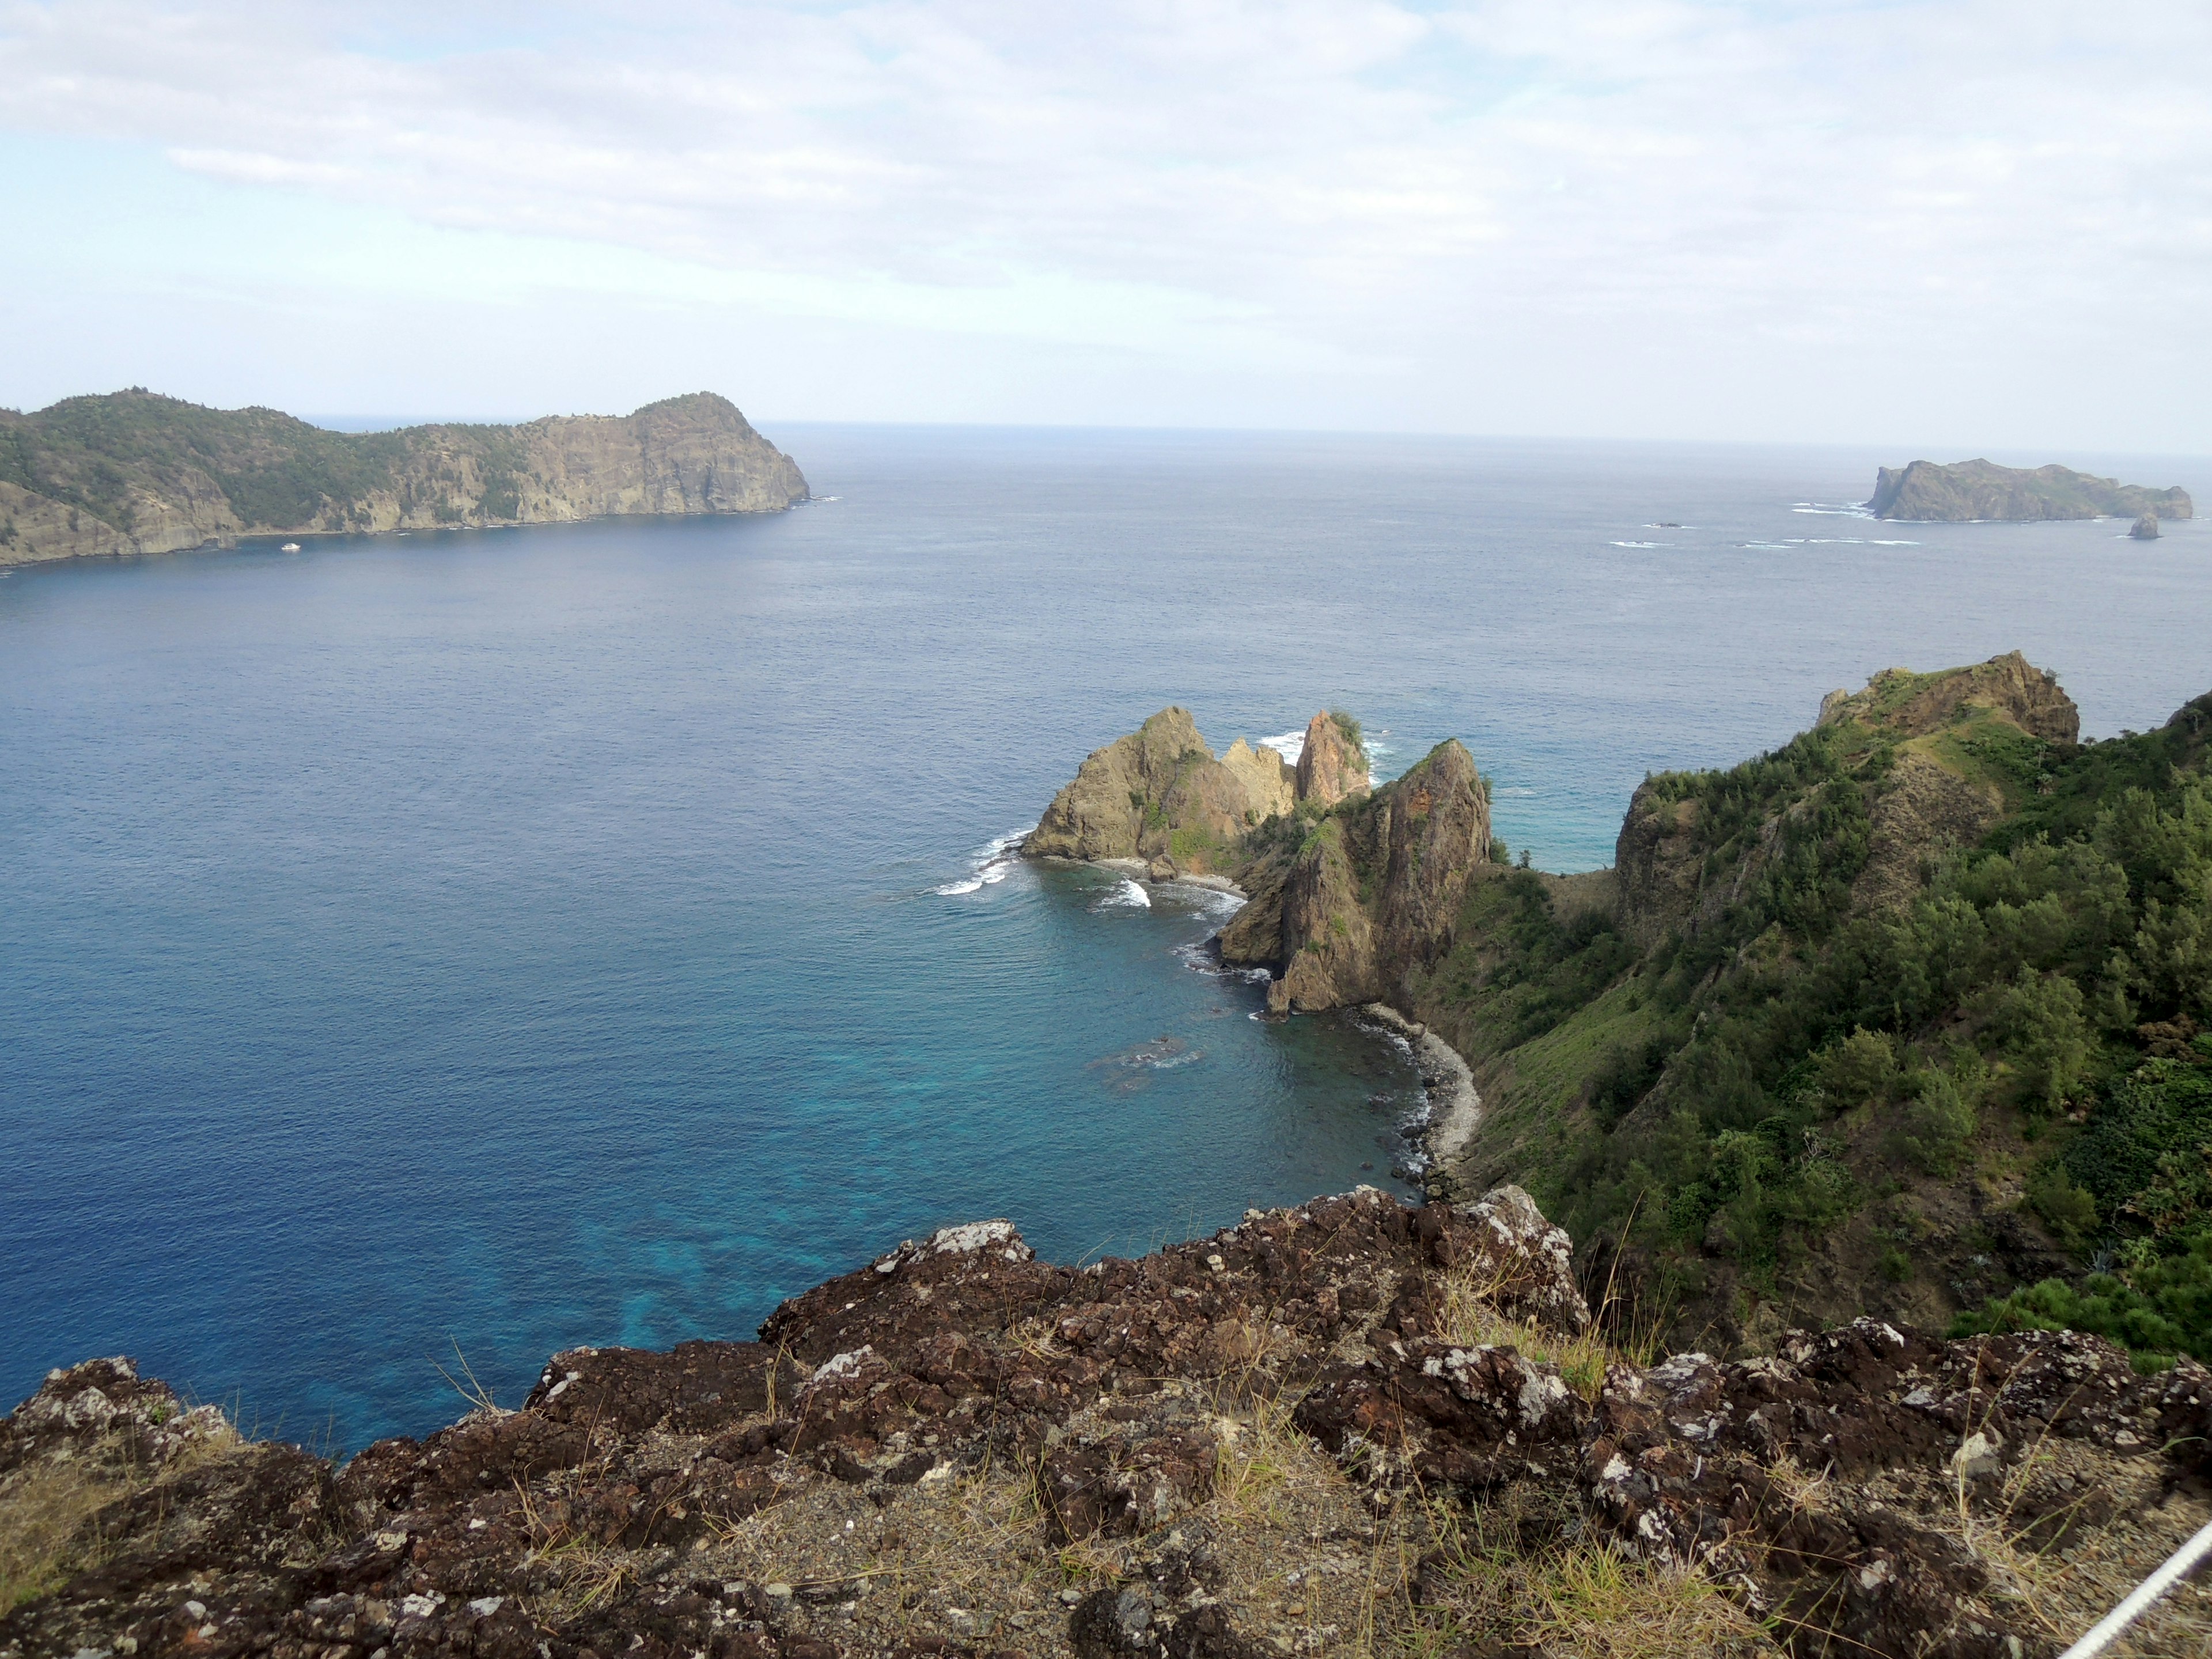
1454,1105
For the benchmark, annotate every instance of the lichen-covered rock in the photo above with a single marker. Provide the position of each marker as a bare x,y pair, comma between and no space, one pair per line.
625,1509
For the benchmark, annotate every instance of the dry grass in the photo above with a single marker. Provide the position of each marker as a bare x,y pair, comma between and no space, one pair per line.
1573,1597
46,1508
1471,1320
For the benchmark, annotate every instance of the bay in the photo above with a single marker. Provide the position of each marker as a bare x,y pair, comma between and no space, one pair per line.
501,941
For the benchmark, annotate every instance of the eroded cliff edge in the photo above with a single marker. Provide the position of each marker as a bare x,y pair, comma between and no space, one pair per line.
133,473
1351,1427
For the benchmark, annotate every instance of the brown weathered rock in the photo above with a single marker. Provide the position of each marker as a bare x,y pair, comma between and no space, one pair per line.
2145,529
1825,1485
1904,704
1331,767
1370,895
1160,793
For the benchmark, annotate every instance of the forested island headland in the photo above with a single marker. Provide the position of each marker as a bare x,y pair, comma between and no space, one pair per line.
135,472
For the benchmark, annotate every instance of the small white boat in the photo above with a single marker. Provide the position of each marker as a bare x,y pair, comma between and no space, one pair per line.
289,547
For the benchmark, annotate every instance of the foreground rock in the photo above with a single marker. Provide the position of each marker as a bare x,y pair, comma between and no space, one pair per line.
1279,1439
1970,490
137,473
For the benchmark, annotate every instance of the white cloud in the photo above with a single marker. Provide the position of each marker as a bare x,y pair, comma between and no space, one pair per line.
1684,206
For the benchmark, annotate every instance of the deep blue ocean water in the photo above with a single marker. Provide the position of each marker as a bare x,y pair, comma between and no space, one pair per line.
517,940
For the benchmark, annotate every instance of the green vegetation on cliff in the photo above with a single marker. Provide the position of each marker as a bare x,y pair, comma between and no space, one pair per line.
1901,1016
135,472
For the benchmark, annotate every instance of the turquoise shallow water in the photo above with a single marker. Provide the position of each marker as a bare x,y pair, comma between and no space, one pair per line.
516,940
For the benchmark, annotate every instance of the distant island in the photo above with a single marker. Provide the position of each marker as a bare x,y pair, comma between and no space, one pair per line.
135,472
1970,490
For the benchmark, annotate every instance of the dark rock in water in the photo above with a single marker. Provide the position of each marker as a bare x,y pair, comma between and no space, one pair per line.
2146,528
1975,490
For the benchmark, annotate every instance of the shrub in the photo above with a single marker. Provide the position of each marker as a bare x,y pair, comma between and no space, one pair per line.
1938,1125
1862,1067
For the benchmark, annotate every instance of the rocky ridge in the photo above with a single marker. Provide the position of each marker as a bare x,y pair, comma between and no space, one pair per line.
1349,1427
133,473
1972,490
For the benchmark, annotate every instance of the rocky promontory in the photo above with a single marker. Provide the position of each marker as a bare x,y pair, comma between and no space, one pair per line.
1351,1427
133,473
1161,798
1966,491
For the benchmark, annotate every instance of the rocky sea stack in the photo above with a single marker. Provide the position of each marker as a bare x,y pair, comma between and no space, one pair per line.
133,473
2145,529
1973,490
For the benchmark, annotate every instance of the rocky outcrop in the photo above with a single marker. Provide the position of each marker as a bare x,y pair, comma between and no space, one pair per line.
1933,799
1268,1440
2145,529
137,473
1903,704
1980,489
1367,895
1332,764
1160,794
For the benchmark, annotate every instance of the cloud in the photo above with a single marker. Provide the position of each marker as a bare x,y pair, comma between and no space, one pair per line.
1420,190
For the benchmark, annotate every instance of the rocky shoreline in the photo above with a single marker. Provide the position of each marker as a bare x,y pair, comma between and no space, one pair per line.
1454,1106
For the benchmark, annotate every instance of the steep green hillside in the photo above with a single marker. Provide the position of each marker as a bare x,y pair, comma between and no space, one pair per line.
1902,1017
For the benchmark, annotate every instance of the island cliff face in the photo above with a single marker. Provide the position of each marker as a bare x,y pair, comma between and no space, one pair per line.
1979,490
137,473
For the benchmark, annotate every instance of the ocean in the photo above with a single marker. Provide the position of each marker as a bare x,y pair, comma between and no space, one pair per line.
470,945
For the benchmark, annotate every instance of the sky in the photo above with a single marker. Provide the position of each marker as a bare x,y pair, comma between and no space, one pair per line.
1979,223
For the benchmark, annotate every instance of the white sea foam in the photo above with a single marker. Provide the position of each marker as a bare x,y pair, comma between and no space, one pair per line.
1833,509
1126,895
1289,745
1632,543
1515,792
988,864
1878,543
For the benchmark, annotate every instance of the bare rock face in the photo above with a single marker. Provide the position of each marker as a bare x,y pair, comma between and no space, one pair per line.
1908,705
2145,529
1924,812
1847,1485
1371,893
1331,767
1160,793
